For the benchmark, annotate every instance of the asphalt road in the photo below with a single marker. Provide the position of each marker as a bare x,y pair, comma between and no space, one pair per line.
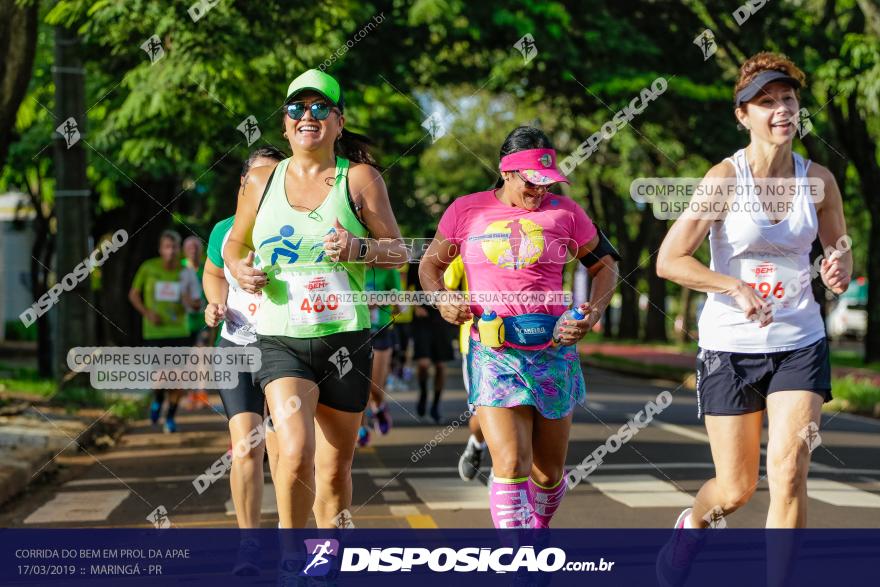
645,483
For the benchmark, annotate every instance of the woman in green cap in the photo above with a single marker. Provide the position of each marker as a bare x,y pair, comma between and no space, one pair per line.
306,222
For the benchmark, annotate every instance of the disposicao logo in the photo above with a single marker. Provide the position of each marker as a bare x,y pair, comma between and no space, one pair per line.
322,552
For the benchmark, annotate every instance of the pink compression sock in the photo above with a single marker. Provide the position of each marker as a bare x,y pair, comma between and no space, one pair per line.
510,503
546,500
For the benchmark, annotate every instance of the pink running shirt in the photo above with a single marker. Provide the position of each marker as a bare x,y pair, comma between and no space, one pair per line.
506,248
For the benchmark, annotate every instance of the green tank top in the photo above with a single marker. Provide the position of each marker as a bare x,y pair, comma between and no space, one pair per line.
308,295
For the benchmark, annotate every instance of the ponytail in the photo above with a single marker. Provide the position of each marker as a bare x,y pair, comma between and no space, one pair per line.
356,148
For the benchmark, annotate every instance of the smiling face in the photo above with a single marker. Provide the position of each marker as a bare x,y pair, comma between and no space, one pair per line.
771,116
308,133
522,193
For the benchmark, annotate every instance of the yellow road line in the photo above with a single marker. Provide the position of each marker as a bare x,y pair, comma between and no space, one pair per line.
421,521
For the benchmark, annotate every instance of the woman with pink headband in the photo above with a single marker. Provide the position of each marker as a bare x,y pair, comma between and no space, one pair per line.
514,241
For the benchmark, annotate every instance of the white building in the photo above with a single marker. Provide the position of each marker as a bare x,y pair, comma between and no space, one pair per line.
16,242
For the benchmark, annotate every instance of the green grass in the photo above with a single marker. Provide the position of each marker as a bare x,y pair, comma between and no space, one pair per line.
852,359
852,395
26,381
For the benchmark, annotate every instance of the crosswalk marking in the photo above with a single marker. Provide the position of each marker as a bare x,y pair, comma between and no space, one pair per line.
395,496
841,494
450,493
640,491
403,511
267,506
78,506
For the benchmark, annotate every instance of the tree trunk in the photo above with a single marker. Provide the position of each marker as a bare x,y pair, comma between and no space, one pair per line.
18,45
685,302
655,320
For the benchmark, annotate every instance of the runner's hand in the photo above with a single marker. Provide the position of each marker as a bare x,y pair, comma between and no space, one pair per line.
456,312
250,279
153,317
214,313
340,244
756,309
833,275
572,331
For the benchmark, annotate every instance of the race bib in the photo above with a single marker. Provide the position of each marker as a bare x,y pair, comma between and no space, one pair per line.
242,308
778,280
167,291
317,298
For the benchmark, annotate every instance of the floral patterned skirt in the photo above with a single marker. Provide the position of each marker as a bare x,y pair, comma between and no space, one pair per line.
551,379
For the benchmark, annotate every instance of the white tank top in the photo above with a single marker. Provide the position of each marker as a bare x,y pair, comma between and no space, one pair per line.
773,257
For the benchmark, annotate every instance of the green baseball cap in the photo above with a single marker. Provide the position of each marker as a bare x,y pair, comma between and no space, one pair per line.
317,80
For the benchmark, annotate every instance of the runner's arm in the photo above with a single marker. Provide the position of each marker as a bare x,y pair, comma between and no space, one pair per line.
676,261
239,250
434,262
603,278
216,291
385,248
836,269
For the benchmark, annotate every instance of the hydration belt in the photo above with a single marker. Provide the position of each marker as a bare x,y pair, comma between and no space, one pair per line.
526,331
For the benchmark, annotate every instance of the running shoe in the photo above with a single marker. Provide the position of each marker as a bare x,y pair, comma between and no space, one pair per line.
383,420
155,410
469,463
363,436
247,563
435,414
677,556
170,426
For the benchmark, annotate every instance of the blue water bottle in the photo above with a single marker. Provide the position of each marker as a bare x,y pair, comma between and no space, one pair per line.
572,314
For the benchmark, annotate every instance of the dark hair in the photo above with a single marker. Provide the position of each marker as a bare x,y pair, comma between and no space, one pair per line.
261,153
356,148
522,138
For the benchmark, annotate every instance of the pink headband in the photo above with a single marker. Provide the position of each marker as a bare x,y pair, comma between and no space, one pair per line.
538,166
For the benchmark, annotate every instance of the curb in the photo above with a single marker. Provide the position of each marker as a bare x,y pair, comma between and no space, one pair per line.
29,442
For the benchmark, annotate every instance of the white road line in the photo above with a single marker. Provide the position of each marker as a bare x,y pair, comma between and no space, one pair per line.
450,493
680,430
267,506
596,405
640,491
78,506
402,511
453,471
386,482
396,497
841,494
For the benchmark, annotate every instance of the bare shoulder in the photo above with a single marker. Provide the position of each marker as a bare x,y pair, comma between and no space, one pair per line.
724,169
255,182
365,179
820,172
830,193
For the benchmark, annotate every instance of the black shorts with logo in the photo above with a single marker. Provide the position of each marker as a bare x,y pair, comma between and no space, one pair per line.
730,384
340,364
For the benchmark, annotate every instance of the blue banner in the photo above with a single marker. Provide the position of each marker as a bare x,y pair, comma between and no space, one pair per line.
718,558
